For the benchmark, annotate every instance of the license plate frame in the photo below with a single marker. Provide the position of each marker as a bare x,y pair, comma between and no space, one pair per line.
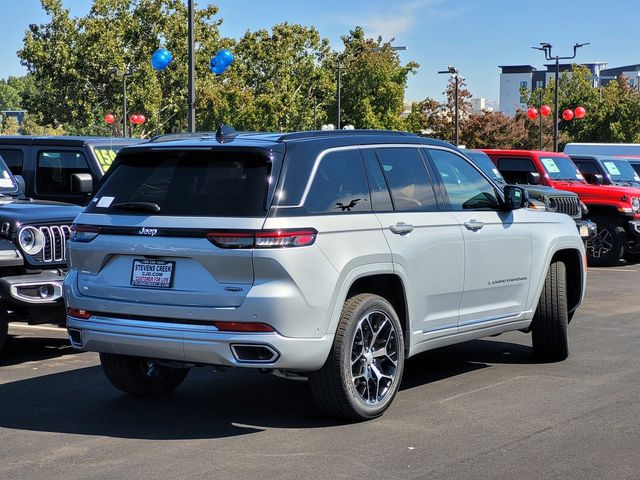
162,284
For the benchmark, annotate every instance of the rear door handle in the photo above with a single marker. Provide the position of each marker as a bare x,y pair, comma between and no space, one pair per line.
401,228
473,225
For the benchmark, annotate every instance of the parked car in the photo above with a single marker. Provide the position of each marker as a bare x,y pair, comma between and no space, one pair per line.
614,209
33,238
329,255
541,197
606,170
627,151
62,169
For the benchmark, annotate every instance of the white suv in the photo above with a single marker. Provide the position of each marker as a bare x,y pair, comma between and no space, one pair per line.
328,255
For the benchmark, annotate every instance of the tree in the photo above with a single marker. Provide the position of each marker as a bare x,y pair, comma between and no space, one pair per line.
494,130
429,118
9,97
278,81
10,126
373,82
77,63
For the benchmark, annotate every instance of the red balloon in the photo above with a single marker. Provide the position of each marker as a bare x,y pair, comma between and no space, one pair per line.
141,119
134,119
545,110
532,113
109,118
567,114
580,112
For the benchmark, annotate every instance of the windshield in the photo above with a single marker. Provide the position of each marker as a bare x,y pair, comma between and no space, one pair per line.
227,184
620,170
106,154
485,164
561,168
8,183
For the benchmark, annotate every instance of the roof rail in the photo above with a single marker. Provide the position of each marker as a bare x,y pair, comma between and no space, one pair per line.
341,133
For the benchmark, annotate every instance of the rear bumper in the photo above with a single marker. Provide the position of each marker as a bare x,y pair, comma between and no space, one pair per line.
39,289
195,343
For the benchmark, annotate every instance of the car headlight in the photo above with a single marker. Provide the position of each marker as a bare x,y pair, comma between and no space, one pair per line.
635,204
552,204
31,240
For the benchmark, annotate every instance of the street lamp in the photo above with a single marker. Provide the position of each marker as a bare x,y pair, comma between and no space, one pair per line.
338,93
546,48
191,95
127,72
453,71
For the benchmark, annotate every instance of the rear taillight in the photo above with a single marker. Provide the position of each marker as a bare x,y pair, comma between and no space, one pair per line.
243,327
264,238
78,313
84,233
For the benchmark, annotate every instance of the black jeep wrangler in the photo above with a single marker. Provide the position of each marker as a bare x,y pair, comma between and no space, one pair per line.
33,263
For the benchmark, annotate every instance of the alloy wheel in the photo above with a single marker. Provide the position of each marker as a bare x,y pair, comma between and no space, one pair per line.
374,357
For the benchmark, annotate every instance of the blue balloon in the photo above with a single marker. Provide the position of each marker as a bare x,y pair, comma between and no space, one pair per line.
217,68
161,59
224,57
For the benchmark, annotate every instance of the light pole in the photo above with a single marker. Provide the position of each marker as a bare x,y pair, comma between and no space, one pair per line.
546,48
128,71
191,95
453,71
340,67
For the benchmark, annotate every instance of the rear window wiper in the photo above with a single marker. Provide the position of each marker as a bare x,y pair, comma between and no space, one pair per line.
139,206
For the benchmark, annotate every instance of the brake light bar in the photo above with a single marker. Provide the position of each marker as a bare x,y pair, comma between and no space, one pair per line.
84,233
79,313
285,238
243,327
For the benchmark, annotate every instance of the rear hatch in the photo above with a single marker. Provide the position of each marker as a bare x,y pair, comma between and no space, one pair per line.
156,232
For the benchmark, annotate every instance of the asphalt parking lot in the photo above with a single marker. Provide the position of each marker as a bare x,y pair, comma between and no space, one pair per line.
476,410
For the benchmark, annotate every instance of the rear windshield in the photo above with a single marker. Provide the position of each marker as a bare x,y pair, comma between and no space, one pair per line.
204,184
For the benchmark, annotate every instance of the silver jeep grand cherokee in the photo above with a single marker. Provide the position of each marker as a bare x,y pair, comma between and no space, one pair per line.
328,255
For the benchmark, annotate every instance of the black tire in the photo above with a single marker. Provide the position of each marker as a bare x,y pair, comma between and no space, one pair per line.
340,385
140,377
606,249
549,326
4,327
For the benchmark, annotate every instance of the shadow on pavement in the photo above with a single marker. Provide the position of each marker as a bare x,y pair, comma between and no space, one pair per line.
208,404
20,349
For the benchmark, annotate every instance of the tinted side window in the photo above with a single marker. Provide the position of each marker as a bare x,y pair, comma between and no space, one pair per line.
55,169
515,170
380,197
14,160
340,185
466,188
406,175
587,169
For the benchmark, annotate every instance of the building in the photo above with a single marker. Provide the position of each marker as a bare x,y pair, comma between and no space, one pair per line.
513,78
17,114
479,105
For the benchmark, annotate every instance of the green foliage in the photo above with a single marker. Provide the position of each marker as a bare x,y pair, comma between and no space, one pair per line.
373,82
9,96
10,126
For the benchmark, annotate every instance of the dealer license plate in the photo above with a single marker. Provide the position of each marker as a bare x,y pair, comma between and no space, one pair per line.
584,231
152,273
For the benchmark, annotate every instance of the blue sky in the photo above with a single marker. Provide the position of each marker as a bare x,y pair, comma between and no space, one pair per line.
474,35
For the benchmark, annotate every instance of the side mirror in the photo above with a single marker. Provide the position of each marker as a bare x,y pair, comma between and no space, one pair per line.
81,183
533,178
515,197
598,179
22,186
